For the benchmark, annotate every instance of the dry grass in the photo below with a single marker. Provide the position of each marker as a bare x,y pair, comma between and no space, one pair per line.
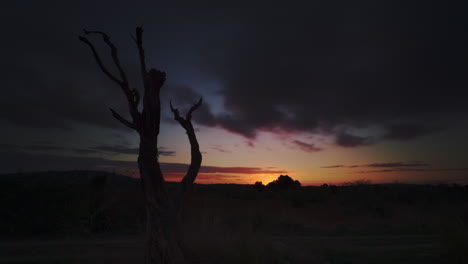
236,224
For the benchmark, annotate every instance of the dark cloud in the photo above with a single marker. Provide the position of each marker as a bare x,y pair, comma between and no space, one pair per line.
117,149
131,150
50,79
218,177
348,65
220,149
182,168
51,85
82,151
22,161
12,161
240,170
166,153
317,67
334,167
48,148
306,146
45,148
415,170
380,165
407,131
396,164
203,178
348,140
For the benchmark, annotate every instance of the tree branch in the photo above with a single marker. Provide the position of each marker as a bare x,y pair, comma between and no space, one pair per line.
196,156
114,55
139,41
99,61
121,119
177,117
174,110
193,108
132,95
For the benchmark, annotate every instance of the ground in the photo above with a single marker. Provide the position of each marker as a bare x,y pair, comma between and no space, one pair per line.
96,217
307,249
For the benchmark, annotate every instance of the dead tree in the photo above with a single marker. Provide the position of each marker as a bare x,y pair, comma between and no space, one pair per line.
162,208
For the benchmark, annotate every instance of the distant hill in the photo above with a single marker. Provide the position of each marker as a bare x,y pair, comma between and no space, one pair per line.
71,177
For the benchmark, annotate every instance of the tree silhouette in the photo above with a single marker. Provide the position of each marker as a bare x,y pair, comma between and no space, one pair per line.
258,186
284,182
162,208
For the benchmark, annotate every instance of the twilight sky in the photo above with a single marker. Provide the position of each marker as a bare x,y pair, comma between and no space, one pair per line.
324,91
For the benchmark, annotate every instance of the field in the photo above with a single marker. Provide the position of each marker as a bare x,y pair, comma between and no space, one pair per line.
296,249
96,217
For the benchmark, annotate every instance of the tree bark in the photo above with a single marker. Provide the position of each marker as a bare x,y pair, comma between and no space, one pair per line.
163,241
163,245
195,154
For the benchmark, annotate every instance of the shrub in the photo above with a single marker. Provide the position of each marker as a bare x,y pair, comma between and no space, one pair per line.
258,186
284,182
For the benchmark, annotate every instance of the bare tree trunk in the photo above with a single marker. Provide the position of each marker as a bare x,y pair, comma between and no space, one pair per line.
195,154
163,237
163,241
163,245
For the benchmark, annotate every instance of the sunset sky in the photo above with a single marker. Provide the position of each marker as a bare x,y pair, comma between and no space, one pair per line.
326,92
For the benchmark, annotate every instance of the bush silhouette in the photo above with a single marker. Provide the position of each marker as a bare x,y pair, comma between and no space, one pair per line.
258,186
284,182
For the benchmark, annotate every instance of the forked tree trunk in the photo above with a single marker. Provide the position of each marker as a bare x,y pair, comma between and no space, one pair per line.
162,209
